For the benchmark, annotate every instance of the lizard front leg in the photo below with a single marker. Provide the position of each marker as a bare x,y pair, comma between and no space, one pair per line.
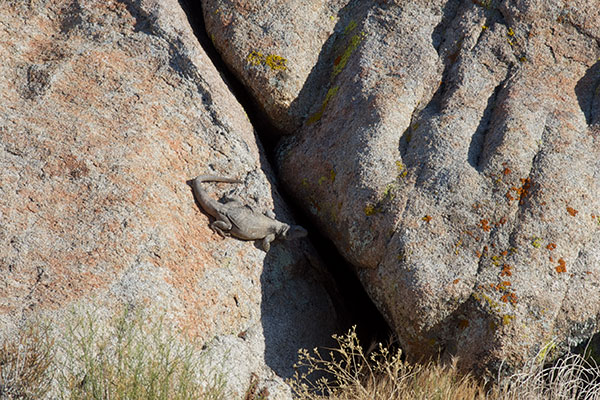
266,242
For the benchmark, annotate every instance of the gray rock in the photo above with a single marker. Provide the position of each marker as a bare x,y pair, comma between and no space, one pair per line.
109,107
273,47
454,160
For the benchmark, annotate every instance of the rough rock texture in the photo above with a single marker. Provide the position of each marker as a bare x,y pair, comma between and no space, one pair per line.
273,46
108,107
453,157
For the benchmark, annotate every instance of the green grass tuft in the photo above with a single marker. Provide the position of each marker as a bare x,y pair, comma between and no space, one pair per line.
132,356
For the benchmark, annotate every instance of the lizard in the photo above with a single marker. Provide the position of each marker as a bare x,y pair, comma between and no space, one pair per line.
233,218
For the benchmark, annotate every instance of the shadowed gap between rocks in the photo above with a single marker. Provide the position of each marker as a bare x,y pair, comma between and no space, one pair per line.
478,138
433,106
450,12
352,304
588,94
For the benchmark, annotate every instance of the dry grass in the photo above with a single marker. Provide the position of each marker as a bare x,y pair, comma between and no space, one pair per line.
346,373
135,357
570,377
24,365
131,356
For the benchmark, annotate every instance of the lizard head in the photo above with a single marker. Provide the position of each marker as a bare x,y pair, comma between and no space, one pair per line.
294,232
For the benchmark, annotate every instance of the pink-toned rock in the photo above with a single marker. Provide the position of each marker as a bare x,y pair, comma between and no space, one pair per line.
108,108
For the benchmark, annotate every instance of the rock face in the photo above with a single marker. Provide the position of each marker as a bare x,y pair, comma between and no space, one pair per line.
108,108
452,154
274,46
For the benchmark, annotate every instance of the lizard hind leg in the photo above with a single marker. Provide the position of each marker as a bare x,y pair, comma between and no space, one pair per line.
266,242
221,227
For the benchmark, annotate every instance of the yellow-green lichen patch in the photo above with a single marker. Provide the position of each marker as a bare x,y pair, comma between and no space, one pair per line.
273,61
487,4
342,60
536,242
496,260
333,211
457,245
370,210
350,27
255,58
484,298
402,170
276,63
390,192
327,178
317,116
507,319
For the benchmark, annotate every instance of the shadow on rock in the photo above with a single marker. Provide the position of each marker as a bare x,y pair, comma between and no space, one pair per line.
588,94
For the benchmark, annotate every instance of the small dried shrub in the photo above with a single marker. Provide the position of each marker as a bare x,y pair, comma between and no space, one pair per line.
348,373
24,364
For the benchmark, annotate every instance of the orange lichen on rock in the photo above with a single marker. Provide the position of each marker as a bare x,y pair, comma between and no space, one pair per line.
573,212
506,270
562,266
485,225
523,191
551,246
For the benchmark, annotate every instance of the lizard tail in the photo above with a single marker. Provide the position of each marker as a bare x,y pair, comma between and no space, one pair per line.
215,178
209,205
